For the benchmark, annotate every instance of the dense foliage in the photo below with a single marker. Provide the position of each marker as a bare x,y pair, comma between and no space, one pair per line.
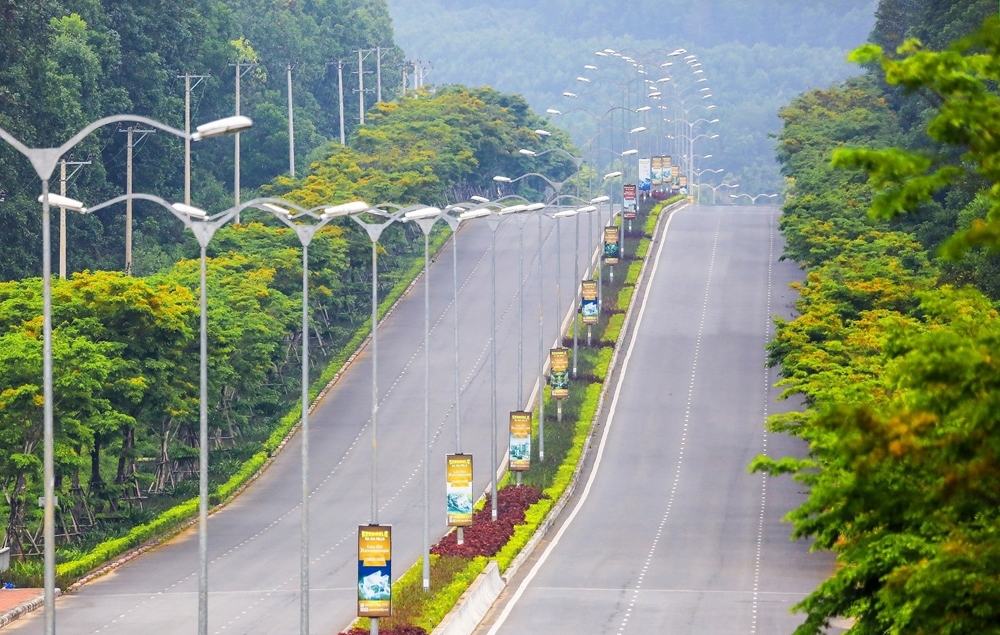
757,56
894,351
65,63
126,348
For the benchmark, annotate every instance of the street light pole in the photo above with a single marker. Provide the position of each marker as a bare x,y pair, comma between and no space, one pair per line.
44,161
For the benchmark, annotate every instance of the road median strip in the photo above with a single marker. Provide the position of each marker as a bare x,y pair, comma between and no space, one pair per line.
454,606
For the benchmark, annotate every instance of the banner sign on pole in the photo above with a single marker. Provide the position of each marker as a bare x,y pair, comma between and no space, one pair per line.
612,250
657,171
588,307
629,194
675,171
645,174
683,181
520,441
458,476
667,164
374,571
559,372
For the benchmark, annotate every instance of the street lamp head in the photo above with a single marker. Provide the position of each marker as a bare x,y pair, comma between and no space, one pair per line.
662,80
543,133
601,53
565,213
677,52
705,89
189,210
56,200
637,129
586,210
642,109
715,136
707,156
583,79
423,212
568,94
219,127
534,207
345,209
707,96
501,179
600,199
612,51
276,209
690,57
553,111
714,121
655,93
612,175
590,67
474,213
629,153
528,153
666,64
699,72
513,209
479,199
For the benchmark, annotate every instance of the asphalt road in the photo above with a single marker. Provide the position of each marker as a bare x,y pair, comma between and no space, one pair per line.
671,534
254,542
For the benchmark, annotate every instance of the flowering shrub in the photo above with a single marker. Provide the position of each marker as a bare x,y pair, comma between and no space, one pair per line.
486,537
404,629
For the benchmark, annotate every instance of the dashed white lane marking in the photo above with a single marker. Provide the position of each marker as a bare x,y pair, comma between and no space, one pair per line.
684,434
767,400
609,424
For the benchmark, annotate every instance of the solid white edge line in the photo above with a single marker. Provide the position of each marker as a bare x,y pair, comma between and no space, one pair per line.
600,450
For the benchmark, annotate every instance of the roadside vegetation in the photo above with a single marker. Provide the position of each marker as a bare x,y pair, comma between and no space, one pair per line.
126,348
893,210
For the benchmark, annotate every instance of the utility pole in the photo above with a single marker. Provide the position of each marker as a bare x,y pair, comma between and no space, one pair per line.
242,68
131,131
340,99
291,124
378,74
62,210
361,85
188,87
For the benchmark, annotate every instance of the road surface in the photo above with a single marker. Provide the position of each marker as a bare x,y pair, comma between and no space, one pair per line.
254,542
671,534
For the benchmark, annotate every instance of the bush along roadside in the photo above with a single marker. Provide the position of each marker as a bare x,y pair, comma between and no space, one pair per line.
522,509
176,518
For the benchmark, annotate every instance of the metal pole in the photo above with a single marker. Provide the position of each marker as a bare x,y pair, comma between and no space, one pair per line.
128,205
374,510
340,90
493,376
203,463
558,283
576,293
361,85
378,73
600,255
187,139
541,348
520,316
62,215
236,151
458,387
427,411
48,460
291,124
304,549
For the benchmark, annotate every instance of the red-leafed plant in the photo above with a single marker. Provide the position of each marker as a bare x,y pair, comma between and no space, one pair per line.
486,537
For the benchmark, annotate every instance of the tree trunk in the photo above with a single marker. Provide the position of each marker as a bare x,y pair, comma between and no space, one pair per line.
126,458
15,519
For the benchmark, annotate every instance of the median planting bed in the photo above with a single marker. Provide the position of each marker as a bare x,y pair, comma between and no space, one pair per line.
522,510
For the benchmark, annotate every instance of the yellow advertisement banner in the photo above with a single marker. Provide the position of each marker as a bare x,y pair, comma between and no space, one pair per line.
559,372
520,441
374,571
458,474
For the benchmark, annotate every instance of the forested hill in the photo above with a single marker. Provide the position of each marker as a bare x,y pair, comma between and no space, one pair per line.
65,63
757,55
893,209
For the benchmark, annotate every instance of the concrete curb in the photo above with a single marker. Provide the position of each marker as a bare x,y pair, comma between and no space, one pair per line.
472,606
24,608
